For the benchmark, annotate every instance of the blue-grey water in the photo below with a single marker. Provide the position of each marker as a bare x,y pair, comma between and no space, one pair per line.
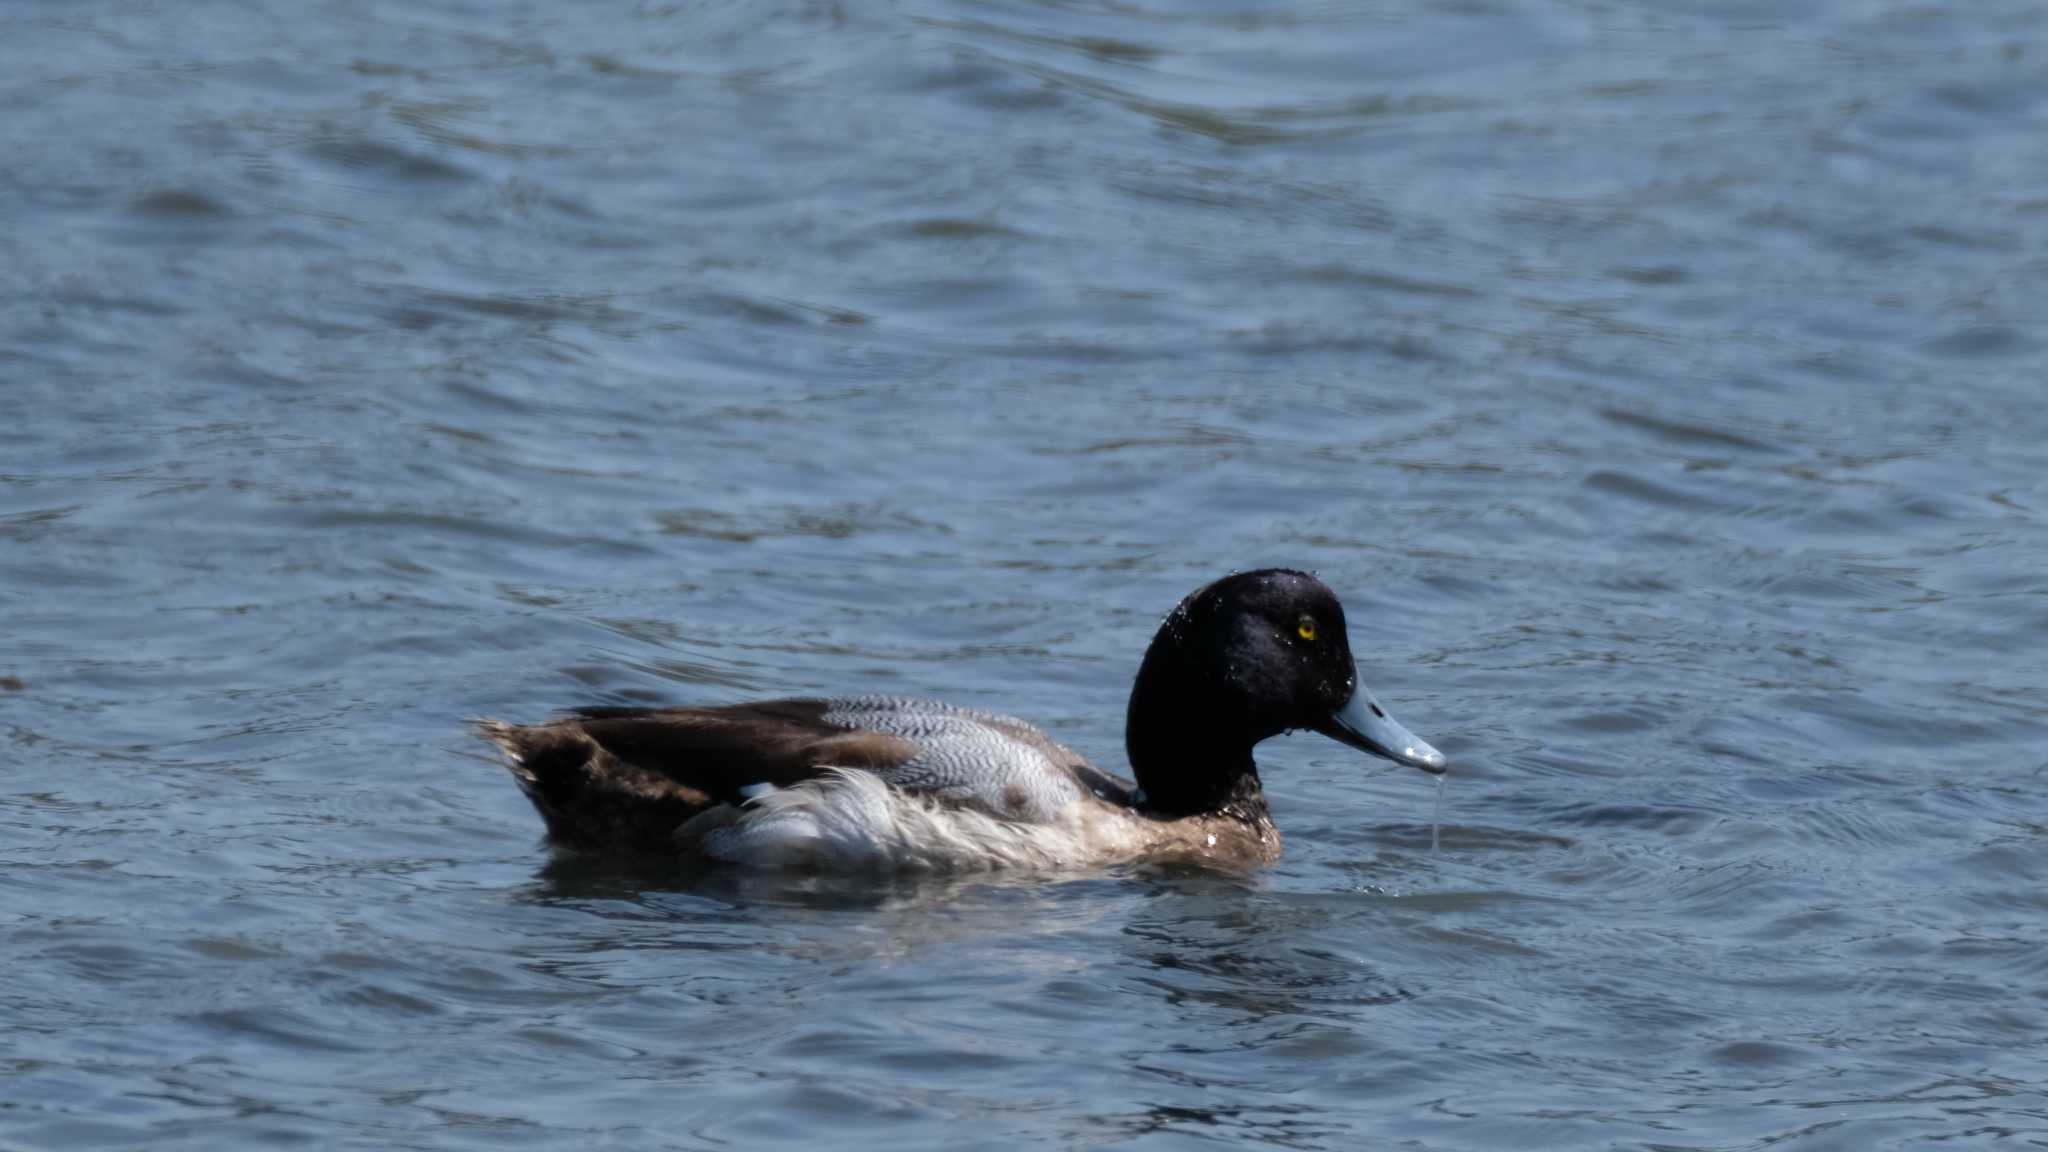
1661,384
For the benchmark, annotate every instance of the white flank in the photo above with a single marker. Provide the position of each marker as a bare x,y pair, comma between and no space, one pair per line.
851,819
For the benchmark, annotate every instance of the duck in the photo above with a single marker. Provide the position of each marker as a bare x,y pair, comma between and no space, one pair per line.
894,783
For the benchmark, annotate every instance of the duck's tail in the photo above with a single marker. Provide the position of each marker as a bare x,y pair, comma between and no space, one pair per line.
591,799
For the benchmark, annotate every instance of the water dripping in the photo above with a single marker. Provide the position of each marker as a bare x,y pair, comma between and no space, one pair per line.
1436,820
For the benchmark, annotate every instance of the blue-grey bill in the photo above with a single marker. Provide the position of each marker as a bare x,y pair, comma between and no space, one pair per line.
1362,723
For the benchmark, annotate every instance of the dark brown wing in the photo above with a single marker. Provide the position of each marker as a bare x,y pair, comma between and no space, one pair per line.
624,779
718,751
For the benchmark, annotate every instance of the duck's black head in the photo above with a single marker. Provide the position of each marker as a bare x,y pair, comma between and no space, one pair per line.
1252,655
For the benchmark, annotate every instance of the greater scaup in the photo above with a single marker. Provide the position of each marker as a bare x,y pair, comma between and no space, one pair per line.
889,782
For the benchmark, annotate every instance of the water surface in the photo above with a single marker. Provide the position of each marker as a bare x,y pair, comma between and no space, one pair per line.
1660,384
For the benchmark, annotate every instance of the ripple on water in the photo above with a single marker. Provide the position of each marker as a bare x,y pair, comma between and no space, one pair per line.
357,153
1641,489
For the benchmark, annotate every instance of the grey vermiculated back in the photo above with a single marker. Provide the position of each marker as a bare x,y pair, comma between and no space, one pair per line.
998,762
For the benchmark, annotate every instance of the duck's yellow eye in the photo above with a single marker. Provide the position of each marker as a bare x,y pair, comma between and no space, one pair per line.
1305,627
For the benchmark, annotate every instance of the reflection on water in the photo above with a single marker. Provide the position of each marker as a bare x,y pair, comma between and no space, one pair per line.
1658,384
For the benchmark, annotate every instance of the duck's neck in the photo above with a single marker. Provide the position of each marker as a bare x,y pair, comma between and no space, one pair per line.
1190,756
